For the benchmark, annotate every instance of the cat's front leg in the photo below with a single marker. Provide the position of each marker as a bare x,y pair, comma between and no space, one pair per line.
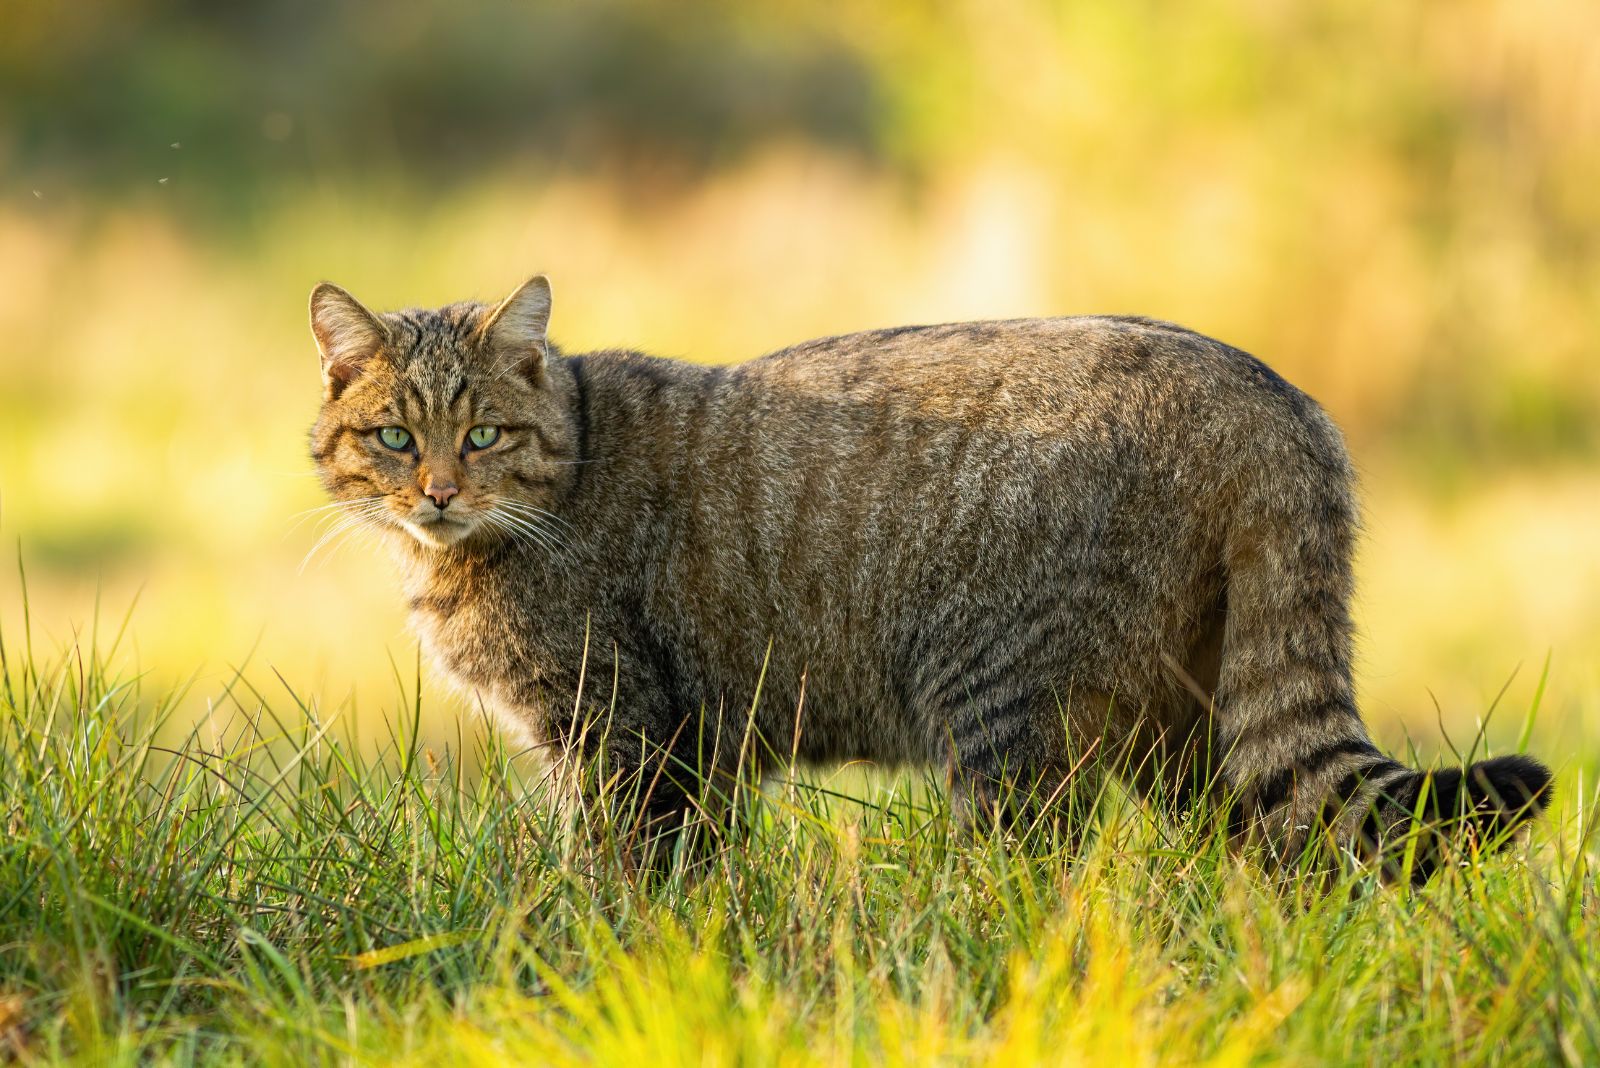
651,791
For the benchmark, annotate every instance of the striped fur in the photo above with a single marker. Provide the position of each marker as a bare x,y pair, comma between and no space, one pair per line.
996,547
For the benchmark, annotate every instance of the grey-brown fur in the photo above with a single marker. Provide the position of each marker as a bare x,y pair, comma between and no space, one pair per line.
995,547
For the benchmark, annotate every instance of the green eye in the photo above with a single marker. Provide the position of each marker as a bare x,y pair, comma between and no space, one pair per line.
481,437
394,437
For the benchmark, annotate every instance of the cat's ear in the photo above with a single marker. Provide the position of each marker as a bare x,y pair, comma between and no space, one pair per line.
348,335
514,333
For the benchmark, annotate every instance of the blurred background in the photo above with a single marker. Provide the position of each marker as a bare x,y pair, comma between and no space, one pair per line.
1394,204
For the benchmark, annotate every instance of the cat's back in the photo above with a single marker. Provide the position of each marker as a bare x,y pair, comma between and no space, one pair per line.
1034,370
1071,379
1101,393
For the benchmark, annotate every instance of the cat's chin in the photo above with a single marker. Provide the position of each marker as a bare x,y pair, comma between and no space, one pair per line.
439,533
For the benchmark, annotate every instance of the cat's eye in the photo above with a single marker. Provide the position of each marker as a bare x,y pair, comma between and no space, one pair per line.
394,437
481,437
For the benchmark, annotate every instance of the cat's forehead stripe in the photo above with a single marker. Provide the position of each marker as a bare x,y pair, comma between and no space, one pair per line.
440,382
431,360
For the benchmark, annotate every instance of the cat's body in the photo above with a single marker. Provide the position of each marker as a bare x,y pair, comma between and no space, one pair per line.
856,512
996,547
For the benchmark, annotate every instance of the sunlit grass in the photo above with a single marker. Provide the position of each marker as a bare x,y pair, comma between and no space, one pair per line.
1389,204
266,886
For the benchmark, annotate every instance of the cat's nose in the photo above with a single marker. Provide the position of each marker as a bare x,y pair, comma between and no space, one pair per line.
441,492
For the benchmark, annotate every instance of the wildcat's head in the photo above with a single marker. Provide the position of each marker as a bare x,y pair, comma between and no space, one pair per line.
448,424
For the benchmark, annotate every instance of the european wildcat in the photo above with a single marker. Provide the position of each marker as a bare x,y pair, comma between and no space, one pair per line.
990,546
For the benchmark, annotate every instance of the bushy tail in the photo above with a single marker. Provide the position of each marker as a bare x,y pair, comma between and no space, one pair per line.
1482,803
1291,738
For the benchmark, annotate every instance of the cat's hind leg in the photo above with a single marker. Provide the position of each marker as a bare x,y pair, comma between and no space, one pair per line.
1015,770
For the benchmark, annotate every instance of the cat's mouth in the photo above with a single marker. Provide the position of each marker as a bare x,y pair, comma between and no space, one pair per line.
440,530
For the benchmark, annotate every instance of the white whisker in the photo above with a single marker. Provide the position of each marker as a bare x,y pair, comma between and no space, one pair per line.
529,526
503,523
360,516
538,514
321,510
544,537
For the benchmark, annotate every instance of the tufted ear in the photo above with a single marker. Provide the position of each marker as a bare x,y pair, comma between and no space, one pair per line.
514,333
348,335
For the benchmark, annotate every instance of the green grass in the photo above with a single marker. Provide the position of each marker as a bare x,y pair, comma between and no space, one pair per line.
265,887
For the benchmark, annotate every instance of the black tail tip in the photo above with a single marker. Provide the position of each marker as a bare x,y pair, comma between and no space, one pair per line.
1498,794
1516,785
1489,800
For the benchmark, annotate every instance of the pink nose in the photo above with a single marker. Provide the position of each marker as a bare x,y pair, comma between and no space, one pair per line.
441,492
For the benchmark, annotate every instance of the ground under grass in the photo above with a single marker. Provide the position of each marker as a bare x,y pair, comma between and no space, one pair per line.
267,888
